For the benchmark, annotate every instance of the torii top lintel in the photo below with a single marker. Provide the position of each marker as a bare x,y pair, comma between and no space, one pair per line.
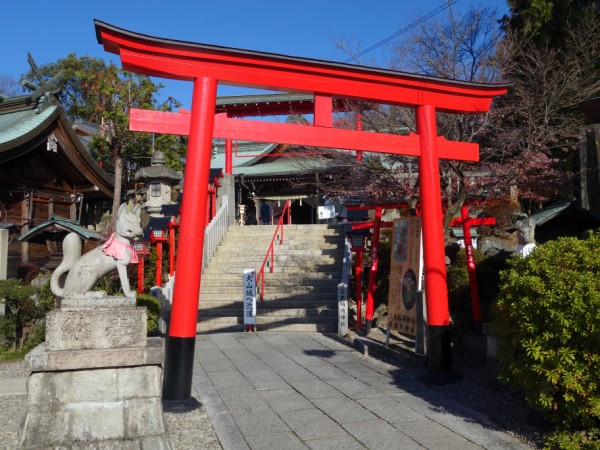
167,58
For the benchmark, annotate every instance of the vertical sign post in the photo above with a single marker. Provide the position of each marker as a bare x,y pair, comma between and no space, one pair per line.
3,253
250,299
342,309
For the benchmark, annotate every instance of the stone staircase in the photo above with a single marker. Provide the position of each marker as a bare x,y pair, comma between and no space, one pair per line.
301,293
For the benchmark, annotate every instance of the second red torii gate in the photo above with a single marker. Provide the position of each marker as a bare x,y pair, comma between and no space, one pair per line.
208,65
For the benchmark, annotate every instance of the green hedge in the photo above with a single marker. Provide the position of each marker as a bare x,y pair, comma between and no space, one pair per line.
153,307
548,321
23,325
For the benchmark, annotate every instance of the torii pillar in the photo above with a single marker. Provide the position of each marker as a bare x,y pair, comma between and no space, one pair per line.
207,65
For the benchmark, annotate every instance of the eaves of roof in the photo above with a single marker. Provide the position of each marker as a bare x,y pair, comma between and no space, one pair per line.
25,124
105,178
550,212
273,168
19,127
248,154
58,223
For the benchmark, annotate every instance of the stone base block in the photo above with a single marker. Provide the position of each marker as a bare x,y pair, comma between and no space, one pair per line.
40,359
96,328
116,408
96,300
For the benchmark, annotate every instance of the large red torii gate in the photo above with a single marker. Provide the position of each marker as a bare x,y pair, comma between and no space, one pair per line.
208,65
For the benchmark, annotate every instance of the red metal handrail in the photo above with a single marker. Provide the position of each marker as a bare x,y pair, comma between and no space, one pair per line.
260,276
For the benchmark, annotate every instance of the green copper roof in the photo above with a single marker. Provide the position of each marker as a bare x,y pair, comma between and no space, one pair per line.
550,212
26,124
253,160
58,223
20,123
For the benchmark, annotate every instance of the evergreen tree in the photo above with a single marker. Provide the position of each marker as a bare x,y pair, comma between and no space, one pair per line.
101,93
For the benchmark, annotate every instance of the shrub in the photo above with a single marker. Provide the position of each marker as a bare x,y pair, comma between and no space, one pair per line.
20,310
153,307
27,272
548,322
459,296
459,286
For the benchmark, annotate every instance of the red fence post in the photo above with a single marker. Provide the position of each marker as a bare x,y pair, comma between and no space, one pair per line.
373,273
471,269
172,248
359,300
228,157
141,274
158,277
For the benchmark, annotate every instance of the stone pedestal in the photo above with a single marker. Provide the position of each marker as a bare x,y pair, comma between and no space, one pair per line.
96,382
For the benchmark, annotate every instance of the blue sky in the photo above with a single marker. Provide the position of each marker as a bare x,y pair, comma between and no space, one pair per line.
50,30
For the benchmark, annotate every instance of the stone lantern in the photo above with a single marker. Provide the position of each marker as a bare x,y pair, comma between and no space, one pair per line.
159,180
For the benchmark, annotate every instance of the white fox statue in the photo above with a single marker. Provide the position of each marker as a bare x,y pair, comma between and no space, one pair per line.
117,252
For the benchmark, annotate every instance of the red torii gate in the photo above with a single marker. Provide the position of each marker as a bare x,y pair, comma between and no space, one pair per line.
468,222
208,65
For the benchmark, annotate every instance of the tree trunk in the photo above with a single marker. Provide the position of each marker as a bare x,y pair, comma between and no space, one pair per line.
118,184
452,211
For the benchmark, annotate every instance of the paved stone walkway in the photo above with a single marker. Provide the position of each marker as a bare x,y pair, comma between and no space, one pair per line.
296,390
13,386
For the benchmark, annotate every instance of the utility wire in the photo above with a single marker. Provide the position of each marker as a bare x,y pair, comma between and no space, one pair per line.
427,16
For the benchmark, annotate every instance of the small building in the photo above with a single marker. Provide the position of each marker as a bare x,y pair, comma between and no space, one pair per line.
45,170
51,234
273,173
563,219
588,158
459,234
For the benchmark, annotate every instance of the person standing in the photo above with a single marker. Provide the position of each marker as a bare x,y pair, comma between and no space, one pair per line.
265,213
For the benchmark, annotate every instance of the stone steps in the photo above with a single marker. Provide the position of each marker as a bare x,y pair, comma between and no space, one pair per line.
301,293
223,267
272,290
280,324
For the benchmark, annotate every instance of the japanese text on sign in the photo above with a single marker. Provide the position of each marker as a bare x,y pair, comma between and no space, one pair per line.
249,297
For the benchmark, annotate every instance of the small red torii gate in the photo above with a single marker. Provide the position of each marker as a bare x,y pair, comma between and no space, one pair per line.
468,222
208,65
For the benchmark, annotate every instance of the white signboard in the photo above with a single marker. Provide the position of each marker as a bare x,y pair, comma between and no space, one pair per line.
342,309
326,212
249,297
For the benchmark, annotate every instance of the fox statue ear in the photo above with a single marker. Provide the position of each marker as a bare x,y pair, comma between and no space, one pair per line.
122,210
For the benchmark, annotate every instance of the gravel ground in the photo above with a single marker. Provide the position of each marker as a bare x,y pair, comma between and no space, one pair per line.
12,407
187,422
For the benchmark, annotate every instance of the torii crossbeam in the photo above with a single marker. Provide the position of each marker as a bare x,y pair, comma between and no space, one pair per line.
207,66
